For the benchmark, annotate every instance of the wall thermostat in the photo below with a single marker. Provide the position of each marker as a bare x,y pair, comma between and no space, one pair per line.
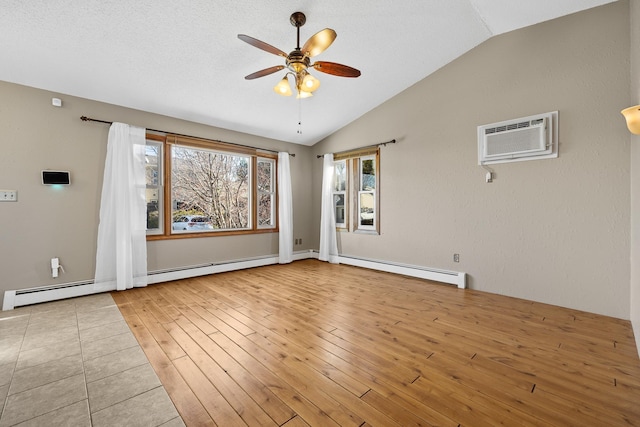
56,178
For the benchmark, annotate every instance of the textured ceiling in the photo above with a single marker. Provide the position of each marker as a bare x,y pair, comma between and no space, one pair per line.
183,59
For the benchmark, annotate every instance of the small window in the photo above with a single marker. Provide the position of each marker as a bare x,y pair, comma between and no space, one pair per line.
266,193
367,209
367,194
356,193
154,191
340,193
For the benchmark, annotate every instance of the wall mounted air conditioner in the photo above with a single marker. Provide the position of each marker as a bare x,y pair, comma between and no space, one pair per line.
527,138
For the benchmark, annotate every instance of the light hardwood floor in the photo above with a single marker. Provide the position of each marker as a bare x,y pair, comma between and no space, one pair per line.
316,344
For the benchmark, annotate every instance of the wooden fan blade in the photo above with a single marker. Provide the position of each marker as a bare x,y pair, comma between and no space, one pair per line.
318,42
261,45
336,69
264,72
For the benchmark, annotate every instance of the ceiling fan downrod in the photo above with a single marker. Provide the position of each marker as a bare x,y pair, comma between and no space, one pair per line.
298,19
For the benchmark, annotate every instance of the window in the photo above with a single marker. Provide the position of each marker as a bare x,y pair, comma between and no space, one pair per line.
211,184
154,191
356,191
367,209
266,193
340,193
211,188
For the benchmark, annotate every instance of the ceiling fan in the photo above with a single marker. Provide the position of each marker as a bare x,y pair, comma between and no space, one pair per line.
298,62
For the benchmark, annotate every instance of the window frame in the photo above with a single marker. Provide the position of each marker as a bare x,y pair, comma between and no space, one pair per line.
353,162
336,192
361,191
179,140
273,193
157,140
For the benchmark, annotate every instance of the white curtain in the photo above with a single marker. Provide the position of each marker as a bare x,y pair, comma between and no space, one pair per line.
285,209
121,258
328,241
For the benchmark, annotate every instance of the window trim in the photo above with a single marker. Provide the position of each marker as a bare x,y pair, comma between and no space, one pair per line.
254,154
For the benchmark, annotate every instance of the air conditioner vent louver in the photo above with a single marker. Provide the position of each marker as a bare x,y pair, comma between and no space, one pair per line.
507,127
527,138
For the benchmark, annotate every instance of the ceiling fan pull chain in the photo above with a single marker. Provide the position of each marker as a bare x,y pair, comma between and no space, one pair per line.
299,116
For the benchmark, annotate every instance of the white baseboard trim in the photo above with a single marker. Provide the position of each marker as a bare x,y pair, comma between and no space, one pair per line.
22,297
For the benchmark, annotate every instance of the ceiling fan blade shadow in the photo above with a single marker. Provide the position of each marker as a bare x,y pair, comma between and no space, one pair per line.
264,72
318,42
261,45
336,69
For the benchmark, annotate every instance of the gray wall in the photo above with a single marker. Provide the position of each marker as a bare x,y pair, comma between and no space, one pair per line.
48,222
555,231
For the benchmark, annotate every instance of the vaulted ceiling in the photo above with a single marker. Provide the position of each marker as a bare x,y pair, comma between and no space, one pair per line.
184,59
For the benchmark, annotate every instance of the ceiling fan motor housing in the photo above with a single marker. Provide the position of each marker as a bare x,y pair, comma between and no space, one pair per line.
297,61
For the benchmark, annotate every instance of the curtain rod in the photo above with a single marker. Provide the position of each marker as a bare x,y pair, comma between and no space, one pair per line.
89,119
393,141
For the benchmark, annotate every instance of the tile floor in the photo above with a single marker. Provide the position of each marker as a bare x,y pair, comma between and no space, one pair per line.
76,363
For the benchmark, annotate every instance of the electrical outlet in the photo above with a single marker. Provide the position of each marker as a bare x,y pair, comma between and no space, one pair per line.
8,195
456,257
489,177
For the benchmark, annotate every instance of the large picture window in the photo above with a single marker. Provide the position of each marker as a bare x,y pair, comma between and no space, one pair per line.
213,188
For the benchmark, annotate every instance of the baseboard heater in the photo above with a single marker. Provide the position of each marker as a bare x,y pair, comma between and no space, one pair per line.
42,294
444,276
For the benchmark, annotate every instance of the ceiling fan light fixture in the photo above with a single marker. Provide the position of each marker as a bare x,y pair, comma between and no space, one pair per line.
310,83
283,88
303,94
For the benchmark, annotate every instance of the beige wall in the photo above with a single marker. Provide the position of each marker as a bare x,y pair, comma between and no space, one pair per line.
47,223
634,99
555,230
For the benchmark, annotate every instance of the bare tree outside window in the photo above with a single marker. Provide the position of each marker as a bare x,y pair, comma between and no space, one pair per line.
212,184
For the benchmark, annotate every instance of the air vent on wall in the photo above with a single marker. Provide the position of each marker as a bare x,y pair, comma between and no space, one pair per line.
526,138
